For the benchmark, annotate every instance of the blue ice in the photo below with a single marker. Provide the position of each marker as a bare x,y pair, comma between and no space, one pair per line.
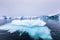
35,28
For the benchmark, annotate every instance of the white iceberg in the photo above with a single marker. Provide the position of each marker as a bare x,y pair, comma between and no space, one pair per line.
35,28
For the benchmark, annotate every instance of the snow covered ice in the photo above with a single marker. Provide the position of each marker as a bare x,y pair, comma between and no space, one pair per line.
35,28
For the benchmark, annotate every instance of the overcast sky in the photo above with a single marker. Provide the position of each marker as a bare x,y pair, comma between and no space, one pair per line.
28,7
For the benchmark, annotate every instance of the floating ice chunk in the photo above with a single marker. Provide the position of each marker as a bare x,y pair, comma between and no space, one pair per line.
39,30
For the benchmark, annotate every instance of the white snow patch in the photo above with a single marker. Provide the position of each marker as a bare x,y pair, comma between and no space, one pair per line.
28,22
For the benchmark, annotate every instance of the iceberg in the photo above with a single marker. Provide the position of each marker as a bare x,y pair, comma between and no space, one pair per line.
35,28
54,16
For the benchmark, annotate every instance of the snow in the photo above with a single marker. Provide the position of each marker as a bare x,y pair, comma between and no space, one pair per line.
29,22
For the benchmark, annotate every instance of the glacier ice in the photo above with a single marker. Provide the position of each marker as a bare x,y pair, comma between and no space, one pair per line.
35,28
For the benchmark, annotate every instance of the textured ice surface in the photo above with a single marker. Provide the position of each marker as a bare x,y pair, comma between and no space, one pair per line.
35,28
28,22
